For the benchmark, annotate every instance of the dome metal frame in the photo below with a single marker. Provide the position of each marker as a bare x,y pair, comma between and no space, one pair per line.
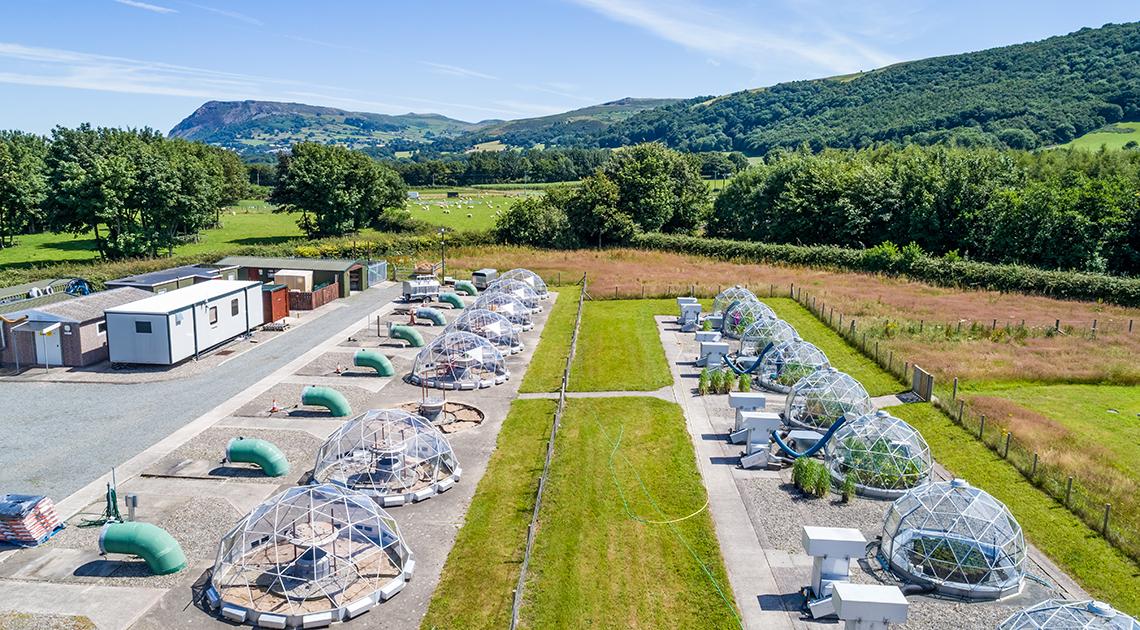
956,538
508,306
490,325
522,291
768,330
883,455
531,278
740,315
309,556
1054,614
732,294
391,455
821,398
787,362
459,360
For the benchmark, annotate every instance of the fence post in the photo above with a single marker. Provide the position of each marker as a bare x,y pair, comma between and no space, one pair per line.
841,321
1033,471
852,328
876,350
1130,326
1104,526
921,325
792,290
959,326
982,428
954,396
890,360
1068,491
864,341
643,290
961,408
1008,437
1094,329
1057,325
994,326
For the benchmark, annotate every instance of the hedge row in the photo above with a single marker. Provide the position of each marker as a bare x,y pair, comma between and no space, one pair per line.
946,272
389,246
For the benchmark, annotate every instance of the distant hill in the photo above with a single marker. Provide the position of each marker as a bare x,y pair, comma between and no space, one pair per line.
263,126
1024,96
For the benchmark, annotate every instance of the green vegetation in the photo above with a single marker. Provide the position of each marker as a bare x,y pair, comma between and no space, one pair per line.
601,559
1124,135
839,353
1099,567
811,476
483,209
482,569
544,374
619,348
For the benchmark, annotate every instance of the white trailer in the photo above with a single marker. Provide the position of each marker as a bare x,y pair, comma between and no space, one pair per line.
168,328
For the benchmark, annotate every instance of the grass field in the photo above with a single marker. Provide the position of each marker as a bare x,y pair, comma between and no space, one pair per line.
544,374
1115,137
471,211
839,353
1098,566
482,568
596,563
619,348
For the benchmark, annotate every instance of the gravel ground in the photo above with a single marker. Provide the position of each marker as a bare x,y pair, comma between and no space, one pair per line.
300,448
197,523
288,396
80,431
29,621
326,364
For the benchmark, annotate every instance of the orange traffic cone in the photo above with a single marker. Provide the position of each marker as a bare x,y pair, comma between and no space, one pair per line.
339,369
274,408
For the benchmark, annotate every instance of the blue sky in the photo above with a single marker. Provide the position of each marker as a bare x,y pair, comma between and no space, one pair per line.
151,63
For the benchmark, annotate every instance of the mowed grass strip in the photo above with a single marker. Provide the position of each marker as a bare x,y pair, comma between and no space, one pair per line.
1088,558
619,348
479,578
544,374
595,566
841,355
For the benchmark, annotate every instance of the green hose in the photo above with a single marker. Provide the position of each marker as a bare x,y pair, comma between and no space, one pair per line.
162,554
374,360
326,397
466,287
262,453
408,334
451,298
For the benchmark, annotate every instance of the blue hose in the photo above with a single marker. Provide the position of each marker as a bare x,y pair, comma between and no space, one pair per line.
815,447
754,365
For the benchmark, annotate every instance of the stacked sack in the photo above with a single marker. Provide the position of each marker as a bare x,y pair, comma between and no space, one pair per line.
27,520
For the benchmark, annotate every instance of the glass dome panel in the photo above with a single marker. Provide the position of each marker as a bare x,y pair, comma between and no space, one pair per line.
518,289
732,294
492,326
1054,614
459,360
387,453
767,330
957,538
882,454
787,362
507,305
740,315
310,549
532,279
817,400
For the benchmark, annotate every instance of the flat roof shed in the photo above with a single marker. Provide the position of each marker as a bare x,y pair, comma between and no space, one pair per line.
176,277
348,273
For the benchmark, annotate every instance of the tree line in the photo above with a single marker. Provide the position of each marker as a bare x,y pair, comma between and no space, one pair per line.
139,193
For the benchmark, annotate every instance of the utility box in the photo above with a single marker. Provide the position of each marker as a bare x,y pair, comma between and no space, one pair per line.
681,303
420,290
295,279
715,321
869,606
754,430
707,335
746,401
484,277
712,353
690,317
833,549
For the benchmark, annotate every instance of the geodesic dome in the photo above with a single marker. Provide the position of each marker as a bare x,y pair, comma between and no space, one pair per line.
492,326
531,278
957,538
732,294
883,455
391,455
787,362
507,305
308,554
517,288
819,399
766,330
459,360
740,315
1059,614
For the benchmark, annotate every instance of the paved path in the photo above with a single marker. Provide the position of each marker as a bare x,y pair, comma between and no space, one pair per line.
77,431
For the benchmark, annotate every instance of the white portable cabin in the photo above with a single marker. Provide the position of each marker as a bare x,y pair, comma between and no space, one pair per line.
168,328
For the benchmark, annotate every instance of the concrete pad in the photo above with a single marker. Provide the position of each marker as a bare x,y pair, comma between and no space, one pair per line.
110,608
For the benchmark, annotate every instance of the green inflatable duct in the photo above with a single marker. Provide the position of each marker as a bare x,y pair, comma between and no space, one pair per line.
155,545
328,398
264,454
465,286
451,298
374,360
432,315
408,334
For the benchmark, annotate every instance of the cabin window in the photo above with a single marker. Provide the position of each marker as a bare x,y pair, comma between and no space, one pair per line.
213,315
143,328
101,328
234,308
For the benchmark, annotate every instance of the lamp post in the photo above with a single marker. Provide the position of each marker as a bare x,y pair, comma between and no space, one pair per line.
443,252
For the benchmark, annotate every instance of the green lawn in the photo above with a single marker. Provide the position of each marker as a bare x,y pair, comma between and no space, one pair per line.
479,579
544,374
595,563
1115,139
452,213
619,348
839,353
1098,566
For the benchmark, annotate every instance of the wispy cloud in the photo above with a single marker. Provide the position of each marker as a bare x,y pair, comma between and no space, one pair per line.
736,36
556,89
523,108
233,15
458,71
154,8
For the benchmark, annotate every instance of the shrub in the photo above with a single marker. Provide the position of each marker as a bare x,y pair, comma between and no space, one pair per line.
716,380
848,489
706,326
811,476
744,383
703,382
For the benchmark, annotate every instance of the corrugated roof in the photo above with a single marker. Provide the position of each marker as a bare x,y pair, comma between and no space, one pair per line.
87,307
166,275
34,303
22,289
178,299
311,264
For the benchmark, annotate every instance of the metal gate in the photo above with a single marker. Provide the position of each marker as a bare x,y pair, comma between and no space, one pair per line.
377,272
